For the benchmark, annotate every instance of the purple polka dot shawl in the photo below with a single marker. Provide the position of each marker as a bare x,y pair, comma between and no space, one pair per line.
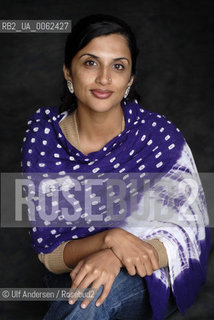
172,209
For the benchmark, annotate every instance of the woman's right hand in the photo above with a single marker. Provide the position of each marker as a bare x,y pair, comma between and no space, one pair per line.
99,268
135,254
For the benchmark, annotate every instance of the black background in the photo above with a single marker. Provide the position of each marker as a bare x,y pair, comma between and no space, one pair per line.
174,77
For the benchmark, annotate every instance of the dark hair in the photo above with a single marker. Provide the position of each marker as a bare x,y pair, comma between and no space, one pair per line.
82,33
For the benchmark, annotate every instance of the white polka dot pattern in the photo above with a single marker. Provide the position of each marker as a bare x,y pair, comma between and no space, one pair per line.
149,143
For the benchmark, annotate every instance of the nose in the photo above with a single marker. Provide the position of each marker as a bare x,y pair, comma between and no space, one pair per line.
104,76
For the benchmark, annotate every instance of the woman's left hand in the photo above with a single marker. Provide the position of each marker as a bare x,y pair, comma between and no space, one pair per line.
101,268
135,254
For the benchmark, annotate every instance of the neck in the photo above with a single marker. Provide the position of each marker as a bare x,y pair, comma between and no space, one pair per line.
98,127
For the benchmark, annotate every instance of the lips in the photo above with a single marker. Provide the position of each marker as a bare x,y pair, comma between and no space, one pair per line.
101,94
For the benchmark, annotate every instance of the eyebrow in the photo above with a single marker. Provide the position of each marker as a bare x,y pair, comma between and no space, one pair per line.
96,57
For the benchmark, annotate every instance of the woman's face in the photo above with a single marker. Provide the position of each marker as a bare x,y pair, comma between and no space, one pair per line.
101,72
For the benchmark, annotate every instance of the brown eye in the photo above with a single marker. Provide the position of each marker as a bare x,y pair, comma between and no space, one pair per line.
90,63
118,66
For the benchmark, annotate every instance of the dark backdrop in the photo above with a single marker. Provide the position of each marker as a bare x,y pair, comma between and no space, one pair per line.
174,77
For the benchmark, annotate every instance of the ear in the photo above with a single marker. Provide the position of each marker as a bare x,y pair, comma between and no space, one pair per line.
131,81
67,73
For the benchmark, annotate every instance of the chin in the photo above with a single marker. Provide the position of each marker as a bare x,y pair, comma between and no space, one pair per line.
104,105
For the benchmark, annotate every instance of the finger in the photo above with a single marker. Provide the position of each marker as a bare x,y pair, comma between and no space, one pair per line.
148,266
78,278
130,266
141,271
131,269
76,270
91,293
105,292
106,289
154,259
82,286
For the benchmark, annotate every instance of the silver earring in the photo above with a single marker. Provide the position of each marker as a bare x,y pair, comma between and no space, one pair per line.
70,86
126,92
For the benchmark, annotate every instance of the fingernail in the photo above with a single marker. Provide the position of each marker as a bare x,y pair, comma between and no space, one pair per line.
83,305
97,304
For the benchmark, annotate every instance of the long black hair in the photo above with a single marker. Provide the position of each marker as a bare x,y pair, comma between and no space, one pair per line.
82,33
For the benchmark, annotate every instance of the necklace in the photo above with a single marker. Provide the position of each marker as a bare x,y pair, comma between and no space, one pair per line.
77,131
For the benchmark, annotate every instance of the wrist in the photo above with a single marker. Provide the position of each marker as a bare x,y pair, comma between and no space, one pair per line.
108,239
160,252
117,260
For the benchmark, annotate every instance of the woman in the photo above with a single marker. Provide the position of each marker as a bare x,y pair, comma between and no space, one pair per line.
141,264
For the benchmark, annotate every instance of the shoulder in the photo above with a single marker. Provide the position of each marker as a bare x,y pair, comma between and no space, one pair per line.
164,133
157,121
157,138
41,135
44,114
153,124
43,121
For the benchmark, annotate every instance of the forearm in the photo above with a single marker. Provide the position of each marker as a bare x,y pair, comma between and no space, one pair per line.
76,250
61,260
114,238
54,261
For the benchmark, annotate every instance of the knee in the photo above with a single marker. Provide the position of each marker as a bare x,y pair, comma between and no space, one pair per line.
63,310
